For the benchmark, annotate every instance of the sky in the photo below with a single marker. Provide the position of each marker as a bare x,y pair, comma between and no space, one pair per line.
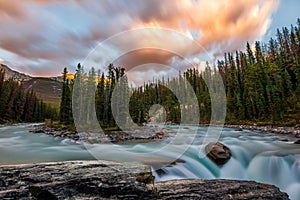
41,37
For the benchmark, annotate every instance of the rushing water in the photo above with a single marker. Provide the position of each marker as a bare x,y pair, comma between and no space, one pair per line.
255,156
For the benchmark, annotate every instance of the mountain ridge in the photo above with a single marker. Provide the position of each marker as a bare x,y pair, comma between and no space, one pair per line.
47,89
10,73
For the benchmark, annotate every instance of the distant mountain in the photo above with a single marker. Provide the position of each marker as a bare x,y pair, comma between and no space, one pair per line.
9,73
46,89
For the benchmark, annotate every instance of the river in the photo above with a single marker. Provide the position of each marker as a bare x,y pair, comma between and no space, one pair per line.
255,156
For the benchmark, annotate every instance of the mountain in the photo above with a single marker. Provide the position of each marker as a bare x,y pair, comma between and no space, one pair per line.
46,89
9,73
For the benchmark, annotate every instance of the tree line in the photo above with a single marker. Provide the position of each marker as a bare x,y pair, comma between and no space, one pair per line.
20,105
262,84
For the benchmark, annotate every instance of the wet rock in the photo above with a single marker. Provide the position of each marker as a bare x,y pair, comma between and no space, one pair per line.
283,139
160,172
297,142
218,152
217,189
239,129
38,131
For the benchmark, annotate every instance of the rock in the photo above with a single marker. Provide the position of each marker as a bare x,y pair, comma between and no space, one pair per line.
77,180
161,132
114,180
238,129
283,139
218,152
297,142
160,172
217,189
38,131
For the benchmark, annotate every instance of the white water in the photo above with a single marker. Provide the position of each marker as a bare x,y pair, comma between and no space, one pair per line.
255,156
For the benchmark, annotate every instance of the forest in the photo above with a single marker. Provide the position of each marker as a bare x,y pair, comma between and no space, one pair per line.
20,105
262,86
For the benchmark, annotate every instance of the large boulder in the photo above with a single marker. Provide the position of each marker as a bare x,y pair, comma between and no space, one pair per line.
218,152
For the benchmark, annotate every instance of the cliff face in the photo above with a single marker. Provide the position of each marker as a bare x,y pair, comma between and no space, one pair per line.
114,180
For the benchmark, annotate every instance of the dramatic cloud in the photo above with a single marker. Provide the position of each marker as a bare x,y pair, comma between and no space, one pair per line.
44,34
218,25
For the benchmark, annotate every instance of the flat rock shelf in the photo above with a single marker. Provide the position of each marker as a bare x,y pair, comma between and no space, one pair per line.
116,180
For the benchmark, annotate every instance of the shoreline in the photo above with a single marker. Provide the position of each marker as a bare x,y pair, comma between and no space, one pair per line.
154,133
280,130
145,134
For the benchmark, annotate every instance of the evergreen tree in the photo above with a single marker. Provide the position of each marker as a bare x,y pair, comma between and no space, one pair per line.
66,102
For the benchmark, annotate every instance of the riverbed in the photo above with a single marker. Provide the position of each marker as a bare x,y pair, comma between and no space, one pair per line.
263,157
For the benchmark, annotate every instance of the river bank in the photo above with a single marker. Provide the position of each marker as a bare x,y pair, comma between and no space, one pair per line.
141,134
151,133
293,131
115,180
284,130
269,128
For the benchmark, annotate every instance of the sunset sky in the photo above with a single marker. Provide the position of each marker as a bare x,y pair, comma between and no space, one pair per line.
40,37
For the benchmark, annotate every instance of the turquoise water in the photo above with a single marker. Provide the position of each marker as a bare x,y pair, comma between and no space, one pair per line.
17,145
255,156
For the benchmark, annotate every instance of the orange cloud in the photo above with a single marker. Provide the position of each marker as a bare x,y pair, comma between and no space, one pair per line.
221,25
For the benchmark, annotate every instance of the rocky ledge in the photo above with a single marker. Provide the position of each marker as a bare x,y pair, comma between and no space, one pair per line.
114,180
142,134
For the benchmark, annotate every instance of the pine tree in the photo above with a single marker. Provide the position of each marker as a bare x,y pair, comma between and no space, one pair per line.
66,102
100,97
